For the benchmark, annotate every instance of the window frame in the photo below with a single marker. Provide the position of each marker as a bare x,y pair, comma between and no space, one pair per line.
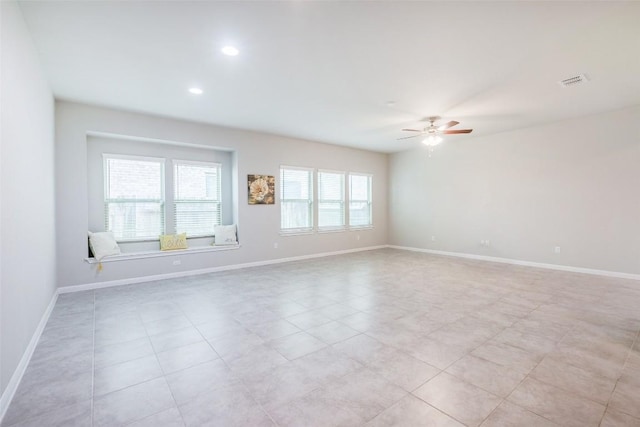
174,199
107,199
342,201
168,200
310,201
369,200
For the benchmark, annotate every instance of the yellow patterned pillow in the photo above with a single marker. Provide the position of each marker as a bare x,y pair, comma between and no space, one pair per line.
170,242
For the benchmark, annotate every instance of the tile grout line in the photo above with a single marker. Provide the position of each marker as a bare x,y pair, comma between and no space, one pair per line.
228,367
93,359
504,399
164,375
529,376
629,352
284,318
138,358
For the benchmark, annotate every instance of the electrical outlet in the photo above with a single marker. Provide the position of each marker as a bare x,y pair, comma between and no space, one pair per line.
177,262
433,238
487,242
275,245
556,249
358,237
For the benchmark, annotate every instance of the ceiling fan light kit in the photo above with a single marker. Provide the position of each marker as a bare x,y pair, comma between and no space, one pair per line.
432,140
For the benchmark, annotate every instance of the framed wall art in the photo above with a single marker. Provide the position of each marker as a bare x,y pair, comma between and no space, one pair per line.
261,189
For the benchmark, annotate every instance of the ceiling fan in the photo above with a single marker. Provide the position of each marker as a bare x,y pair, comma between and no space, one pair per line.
434,131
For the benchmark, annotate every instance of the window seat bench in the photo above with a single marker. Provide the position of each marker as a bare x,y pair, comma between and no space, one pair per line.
158,253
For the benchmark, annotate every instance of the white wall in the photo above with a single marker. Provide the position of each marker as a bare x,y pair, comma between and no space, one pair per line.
27,214
573,184
255,153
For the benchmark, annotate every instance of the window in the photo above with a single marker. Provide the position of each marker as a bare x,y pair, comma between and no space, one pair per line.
134,197
296,199
330,200
196,197
360,200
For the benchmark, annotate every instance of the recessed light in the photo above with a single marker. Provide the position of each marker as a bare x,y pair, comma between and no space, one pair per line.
195,91
230,51
391,103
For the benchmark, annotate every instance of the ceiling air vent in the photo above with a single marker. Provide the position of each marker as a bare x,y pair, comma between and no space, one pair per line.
575,80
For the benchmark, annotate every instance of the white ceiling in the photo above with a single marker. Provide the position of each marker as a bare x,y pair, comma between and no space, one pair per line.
325,70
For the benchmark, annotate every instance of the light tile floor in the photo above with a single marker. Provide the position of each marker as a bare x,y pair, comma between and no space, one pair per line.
376,338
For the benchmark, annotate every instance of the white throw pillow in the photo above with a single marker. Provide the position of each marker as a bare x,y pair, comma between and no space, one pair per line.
103,244
225,235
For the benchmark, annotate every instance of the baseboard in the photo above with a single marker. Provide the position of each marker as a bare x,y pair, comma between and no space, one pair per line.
595,272
142,279
14,382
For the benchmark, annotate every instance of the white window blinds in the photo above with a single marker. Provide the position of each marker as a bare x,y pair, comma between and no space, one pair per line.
360,200
296,199
197,204
330,200
134,197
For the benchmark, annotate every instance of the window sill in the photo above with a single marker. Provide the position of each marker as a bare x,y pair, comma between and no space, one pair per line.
296,233
324,231
331,230
156,254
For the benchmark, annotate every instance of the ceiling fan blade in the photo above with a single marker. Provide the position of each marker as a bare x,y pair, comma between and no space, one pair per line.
407,137
412,130
453,132
448,125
